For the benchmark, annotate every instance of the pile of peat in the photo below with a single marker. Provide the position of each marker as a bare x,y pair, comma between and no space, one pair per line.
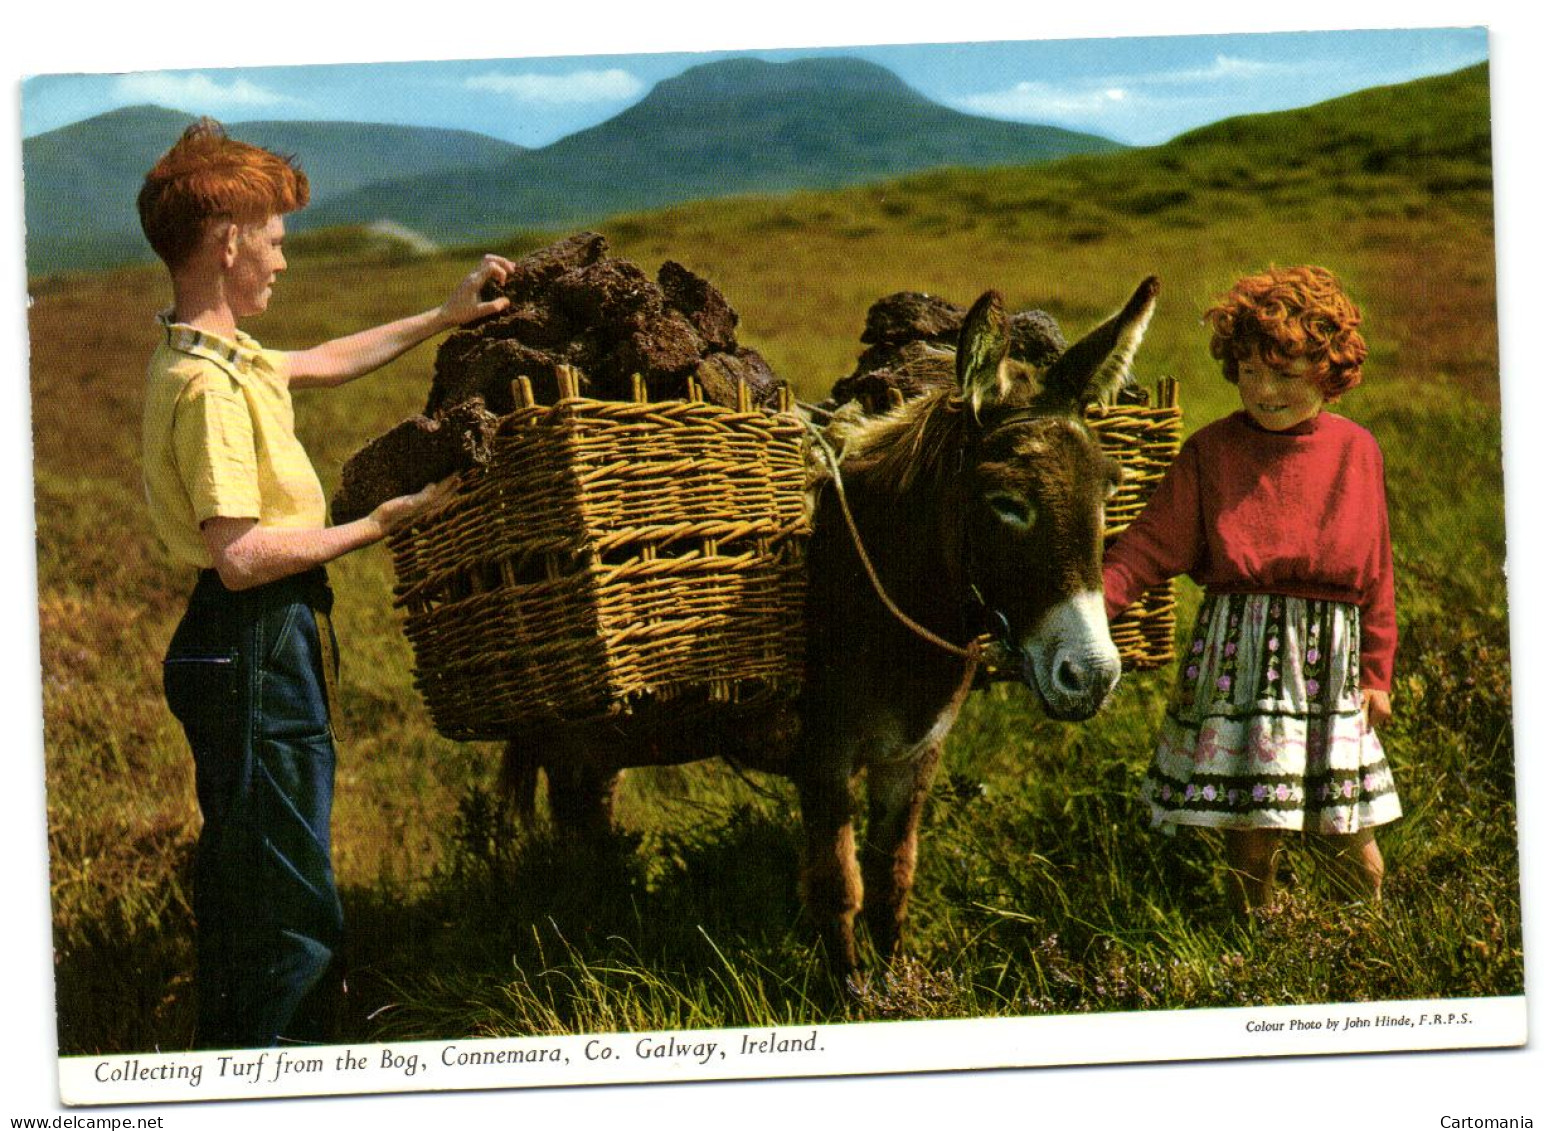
911,339
570,304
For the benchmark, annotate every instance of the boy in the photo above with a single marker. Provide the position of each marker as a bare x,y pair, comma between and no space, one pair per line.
233,495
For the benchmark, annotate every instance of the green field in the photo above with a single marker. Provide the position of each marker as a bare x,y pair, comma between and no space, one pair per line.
1040,888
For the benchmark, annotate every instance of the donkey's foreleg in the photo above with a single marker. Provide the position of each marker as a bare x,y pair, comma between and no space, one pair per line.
896,794
833,891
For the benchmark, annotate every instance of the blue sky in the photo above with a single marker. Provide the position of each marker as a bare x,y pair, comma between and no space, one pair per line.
1136,90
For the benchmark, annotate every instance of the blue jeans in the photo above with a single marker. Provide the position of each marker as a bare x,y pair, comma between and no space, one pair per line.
248,676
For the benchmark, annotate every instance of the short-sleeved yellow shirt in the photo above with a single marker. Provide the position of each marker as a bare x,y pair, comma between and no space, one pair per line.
219,441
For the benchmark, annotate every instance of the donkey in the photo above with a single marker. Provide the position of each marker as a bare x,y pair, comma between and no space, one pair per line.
980,505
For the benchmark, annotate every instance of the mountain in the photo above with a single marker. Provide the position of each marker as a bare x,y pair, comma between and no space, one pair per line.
729,127
80,181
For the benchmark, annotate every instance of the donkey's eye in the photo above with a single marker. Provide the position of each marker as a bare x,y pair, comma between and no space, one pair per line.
1014,511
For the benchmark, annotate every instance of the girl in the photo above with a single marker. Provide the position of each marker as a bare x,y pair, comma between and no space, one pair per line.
1278,510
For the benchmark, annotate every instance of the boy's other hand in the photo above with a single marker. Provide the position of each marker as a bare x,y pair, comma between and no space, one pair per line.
394,513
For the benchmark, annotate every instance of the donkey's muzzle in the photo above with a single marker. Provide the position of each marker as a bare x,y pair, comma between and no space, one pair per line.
1071,660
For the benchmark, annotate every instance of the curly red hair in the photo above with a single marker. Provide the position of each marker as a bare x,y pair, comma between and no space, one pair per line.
208,177
1288,315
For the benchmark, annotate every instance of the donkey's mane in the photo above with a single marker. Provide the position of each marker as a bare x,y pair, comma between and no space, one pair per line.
891,452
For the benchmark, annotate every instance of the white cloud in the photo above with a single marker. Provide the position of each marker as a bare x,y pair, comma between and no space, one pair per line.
1223,68
1042,100
1107,92
575,87
1121,103
194,91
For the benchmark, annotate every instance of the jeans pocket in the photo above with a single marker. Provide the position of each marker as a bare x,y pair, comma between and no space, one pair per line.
291,682
203,691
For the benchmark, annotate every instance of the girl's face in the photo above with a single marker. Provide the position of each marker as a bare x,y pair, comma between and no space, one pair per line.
1277,399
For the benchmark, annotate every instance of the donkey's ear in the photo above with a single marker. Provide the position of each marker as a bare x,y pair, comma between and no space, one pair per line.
981,360
1094,367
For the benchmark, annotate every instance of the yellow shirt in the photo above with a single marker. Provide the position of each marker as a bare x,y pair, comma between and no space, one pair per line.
219,441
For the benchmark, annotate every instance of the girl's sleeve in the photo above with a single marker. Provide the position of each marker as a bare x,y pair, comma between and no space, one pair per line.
1380,634
1165,540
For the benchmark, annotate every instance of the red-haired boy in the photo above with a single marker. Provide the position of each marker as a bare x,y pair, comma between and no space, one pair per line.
233,495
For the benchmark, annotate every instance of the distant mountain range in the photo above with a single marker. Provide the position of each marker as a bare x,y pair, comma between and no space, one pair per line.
80,181
729,127
732,127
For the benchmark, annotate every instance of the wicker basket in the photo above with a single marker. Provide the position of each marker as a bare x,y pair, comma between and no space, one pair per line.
612,557
1144,439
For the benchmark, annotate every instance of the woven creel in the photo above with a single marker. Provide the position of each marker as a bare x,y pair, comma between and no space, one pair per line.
613,559
1143,439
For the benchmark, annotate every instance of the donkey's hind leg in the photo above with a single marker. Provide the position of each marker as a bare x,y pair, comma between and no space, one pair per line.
583,797
896,793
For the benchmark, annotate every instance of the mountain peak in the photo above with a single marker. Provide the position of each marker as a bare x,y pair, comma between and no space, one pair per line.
746,77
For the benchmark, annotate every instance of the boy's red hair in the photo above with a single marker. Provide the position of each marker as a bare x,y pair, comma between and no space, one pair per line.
208,177
1291,314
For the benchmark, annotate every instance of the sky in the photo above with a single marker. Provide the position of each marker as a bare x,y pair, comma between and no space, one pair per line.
1140,90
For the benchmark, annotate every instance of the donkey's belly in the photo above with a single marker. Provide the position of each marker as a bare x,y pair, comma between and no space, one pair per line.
760,740
898,739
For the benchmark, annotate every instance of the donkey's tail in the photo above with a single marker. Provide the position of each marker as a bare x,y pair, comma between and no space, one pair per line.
517,779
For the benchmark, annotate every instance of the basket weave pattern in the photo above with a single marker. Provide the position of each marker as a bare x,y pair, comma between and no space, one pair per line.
611,556
1144,439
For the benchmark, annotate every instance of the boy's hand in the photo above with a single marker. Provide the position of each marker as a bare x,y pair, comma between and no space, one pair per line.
1376,708
466,304
394,513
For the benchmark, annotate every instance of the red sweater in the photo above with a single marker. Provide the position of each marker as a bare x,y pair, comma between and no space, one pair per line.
1300,513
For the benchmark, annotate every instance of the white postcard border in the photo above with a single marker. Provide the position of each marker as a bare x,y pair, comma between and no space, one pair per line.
865,1048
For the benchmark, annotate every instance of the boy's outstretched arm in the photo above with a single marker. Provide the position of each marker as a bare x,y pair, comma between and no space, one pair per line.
341,360
246,554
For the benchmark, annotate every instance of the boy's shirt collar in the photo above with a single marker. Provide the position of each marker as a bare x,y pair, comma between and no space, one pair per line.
242,354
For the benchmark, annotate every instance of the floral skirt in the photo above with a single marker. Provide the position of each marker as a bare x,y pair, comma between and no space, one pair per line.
1265,727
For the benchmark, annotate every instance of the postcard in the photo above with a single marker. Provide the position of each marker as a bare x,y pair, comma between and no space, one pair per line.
673,563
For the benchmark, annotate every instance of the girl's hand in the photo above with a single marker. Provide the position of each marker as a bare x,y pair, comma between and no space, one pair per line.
1376,708
465,303
395,513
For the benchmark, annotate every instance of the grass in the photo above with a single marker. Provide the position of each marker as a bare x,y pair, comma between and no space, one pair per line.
1040,888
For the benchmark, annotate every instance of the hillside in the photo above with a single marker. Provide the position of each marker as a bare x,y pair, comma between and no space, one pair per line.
724,128
80,180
